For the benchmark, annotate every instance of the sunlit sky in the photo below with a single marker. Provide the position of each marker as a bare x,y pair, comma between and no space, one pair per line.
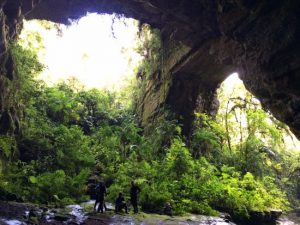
91,49
232,81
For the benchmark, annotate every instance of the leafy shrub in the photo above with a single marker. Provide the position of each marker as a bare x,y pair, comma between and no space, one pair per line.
154,198
58,187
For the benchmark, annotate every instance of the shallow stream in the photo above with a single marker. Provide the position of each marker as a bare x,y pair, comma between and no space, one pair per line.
82,215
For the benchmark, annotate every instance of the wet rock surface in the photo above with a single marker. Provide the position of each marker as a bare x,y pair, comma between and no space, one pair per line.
18,214
12,213
292,218
155,220
13,210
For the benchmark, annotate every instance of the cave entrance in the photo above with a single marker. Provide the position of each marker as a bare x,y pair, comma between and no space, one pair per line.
99,50
243,118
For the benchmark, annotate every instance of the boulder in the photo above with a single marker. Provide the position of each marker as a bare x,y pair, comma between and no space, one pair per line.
266,217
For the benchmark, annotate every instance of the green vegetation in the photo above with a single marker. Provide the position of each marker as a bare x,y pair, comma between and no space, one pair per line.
150,48
234,163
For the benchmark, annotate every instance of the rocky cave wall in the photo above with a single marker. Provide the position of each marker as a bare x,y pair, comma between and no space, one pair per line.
203,41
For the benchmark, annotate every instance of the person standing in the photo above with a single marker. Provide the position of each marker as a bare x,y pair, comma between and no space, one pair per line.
100,194
134,191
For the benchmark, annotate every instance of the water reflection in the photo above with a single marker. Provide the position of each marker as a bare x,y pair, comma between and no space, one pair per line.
11,222
78,213
286,221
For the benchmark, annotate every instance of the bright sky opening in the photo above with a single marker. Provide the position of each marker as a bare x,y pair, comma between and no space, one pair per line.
232,84
99,50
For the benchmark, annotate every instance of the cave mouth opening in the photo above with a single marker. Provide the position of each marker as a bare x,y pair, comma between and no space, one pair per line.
241,114
99,50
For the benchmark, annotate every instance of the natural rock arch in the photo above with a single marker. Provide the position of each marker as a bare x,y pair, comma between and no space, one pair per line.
204,41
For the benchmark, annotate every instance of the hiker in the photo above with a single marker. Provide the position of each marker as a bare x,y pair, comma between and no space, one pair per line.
134,191
100,193
121,204
168,209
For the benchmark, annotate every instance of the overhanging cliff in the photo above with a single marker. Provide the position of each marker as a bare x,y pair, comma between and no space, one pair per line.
203,40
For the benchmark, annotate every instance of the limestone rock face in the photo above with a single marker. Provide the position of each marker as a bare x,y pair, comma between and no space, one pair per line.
204,41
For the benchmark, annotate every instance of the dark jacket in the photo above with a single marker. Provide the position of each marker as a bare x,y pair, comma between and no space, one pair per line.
134,190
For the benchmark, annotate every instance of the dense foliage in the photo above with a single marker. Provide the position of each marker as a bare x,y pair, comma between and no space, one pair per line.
70,135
